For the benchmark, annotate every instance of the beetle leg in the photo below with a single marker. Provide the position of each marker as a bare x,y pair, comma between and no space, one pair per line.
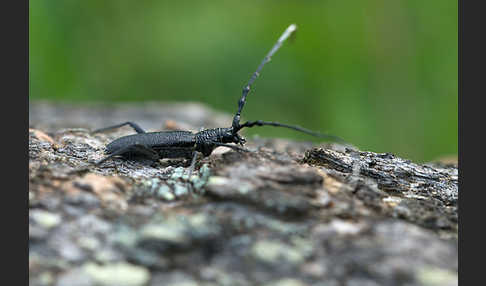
135,127
136,148
234,147
117,152
193,164
146,151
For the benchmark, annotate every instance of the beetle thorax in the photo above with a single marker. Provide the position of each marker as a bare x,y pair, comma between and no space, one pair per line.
222,135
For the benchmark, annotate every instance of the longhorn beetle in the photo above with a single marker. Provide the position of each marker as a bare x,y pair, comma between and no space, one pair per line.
185,144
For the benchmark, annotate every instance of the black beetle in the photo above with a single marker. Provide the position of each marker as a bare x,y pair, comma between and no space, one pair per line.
185,144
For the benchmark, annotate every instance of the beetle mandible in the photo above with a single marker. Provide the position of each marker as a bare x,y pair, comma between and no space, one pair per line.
185,144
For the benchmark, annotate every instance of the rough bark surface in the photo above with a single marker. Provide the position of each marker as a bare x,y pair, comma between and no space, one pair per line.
287,213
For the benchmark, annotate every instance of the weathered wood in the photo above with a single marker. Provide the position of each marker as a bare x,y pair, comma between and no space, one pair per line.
287,212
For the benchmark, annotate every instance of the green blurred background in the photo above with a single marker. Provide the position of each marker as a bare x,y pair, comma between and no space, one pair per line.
382,74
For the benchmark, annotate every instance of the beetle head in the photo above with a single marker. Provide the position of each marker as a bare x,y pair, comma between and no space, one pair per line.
231,136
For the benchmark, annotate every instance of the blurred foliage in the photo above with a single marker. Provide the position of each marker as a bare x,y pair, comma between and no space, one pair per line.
383,74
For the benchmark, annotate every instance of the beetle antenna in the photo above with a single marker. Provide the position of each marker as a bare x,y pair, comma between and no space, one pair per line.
246,89
250,124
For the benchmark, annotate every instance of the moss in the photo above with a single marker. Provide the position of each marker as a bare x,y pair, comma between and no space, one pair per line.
274,252
120,274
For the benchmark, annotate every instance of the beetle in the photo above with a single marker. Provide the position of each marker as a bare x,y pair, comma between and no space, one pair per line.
186,144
